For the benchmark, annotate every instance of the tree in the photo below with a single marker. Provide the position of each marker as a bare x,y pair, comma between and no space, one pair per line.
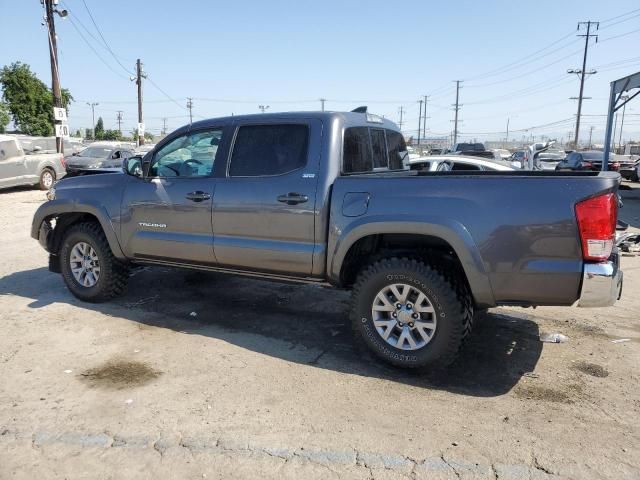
134,135
4,116
111,135
99,129
29,100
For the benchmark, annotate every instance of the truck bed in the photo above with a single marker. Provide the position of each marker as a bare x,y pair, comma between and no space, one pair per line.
515,233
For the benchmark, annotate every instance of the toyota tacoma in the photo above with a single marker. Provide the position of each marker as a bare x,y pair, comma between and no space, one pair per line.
327,198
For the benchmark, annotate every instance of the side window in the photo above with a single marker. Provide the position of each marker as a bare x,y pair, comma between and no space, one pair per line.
397,148
379,148
191,155
265,150
357,150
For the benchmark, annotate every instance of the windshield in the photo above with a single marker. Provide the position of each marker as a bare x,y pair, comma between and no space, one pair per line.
96,152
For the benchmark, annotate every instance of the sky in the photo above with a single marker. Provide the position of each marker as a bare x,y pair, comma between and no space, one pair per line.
231,57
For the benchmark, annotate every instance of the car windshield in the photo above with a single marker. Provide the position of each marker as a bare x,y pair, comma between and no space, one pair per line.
96,152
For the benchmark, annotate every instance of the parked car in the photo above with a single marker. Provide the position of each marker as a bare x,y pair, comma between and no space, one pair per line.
501,154
471,150
31,144
99,155
549,159
517,159
18,168
590,160
440,163
323,198
628,166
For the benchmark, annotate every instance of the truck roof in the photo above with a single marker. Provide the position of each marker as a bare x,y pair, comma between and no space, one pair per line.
349,118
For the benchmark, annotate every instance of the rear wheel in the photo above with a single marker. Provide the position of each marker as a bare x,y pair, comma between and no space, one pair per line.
409,315
47,179
88,266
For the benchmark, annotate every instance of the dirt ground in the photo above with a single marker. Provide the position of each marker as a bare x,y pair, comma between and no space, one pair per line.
197,375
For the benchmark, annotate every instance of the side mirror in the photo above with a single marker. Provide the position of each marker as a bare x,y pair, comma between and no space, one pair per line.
132,166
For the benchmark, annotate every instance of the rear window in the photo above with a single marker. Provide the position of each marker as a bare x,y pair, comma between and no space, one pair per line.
593,155
367,149
264,150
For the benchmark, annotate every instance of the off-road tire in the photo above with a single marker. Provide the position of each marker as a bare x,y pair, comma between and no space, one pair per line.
114,274
43,175
452,303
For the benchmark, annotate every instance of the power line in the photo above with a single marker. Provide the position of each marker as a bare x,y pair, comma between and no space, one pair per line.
115,57
94,50
620,16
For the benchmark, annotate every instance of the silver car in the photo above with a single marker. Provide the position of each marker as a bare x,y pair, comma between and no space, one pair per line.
98,156
18,168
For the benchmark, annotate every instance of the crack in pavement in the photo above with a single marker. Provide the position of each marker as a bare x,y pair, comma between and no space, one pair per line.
329,460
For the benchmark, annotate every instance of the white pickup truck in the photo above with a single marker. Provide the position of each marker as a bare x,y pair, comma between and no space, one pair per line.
18,168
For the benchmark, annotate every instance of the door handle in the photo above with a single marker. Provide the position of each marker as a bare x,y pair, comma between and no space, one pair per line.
293,198
197,196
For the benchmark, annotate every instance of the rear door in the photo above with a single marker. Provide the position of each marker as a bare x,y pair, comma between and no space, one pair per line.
167,215
264,210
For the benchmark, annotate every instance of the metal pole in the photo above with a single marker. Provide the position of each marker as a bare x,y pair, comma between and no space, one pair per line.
615,129
139,83
624,107
455,128
400,122
582,75
322,100
607,138
55,74
424,124
120,121
190,107
507,138
419,120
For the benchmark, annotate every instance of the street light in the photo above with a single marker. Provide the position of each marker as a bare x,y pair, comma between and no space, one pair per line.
263,107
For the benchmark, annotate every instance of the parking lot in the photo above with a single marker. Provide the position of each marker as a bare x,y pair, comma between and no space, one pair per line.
199,375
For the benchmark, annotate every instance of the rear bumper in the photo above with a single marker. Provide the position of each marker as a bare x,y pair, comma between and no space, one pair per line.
601,283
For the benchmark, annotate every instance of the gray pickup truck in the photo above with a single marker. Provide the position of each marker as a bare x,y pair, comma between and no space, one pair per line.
326,198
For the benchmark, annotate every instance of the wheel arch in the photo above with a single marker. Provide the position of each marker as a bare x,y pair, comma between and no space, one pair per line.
370,241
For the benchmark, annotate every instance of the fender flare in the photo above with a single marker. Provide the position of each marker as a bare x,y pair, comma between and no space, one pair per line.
448,230
57,207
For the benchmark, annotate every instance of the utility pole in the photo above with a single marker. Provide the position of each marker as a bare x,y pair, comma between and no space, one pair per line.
591,135
424,123
401,114
507,137
322,100
624,107
119,118
263,108
138,79
164,126
420,120
457,107
190,107
583,72
615,127
93,106
53,56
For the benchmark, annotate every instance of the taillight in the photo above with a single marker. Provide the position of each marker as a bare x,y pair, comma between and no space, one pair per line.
586,164
597,225
615,166
63,161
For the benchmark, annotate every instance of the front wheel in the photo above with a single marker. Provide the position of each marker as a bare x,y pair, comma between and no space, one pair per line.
408,314
88,266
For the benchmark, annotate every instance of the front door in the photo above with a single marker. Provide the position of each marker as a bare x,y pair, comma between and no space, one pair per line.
264,210
12,164
167,215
